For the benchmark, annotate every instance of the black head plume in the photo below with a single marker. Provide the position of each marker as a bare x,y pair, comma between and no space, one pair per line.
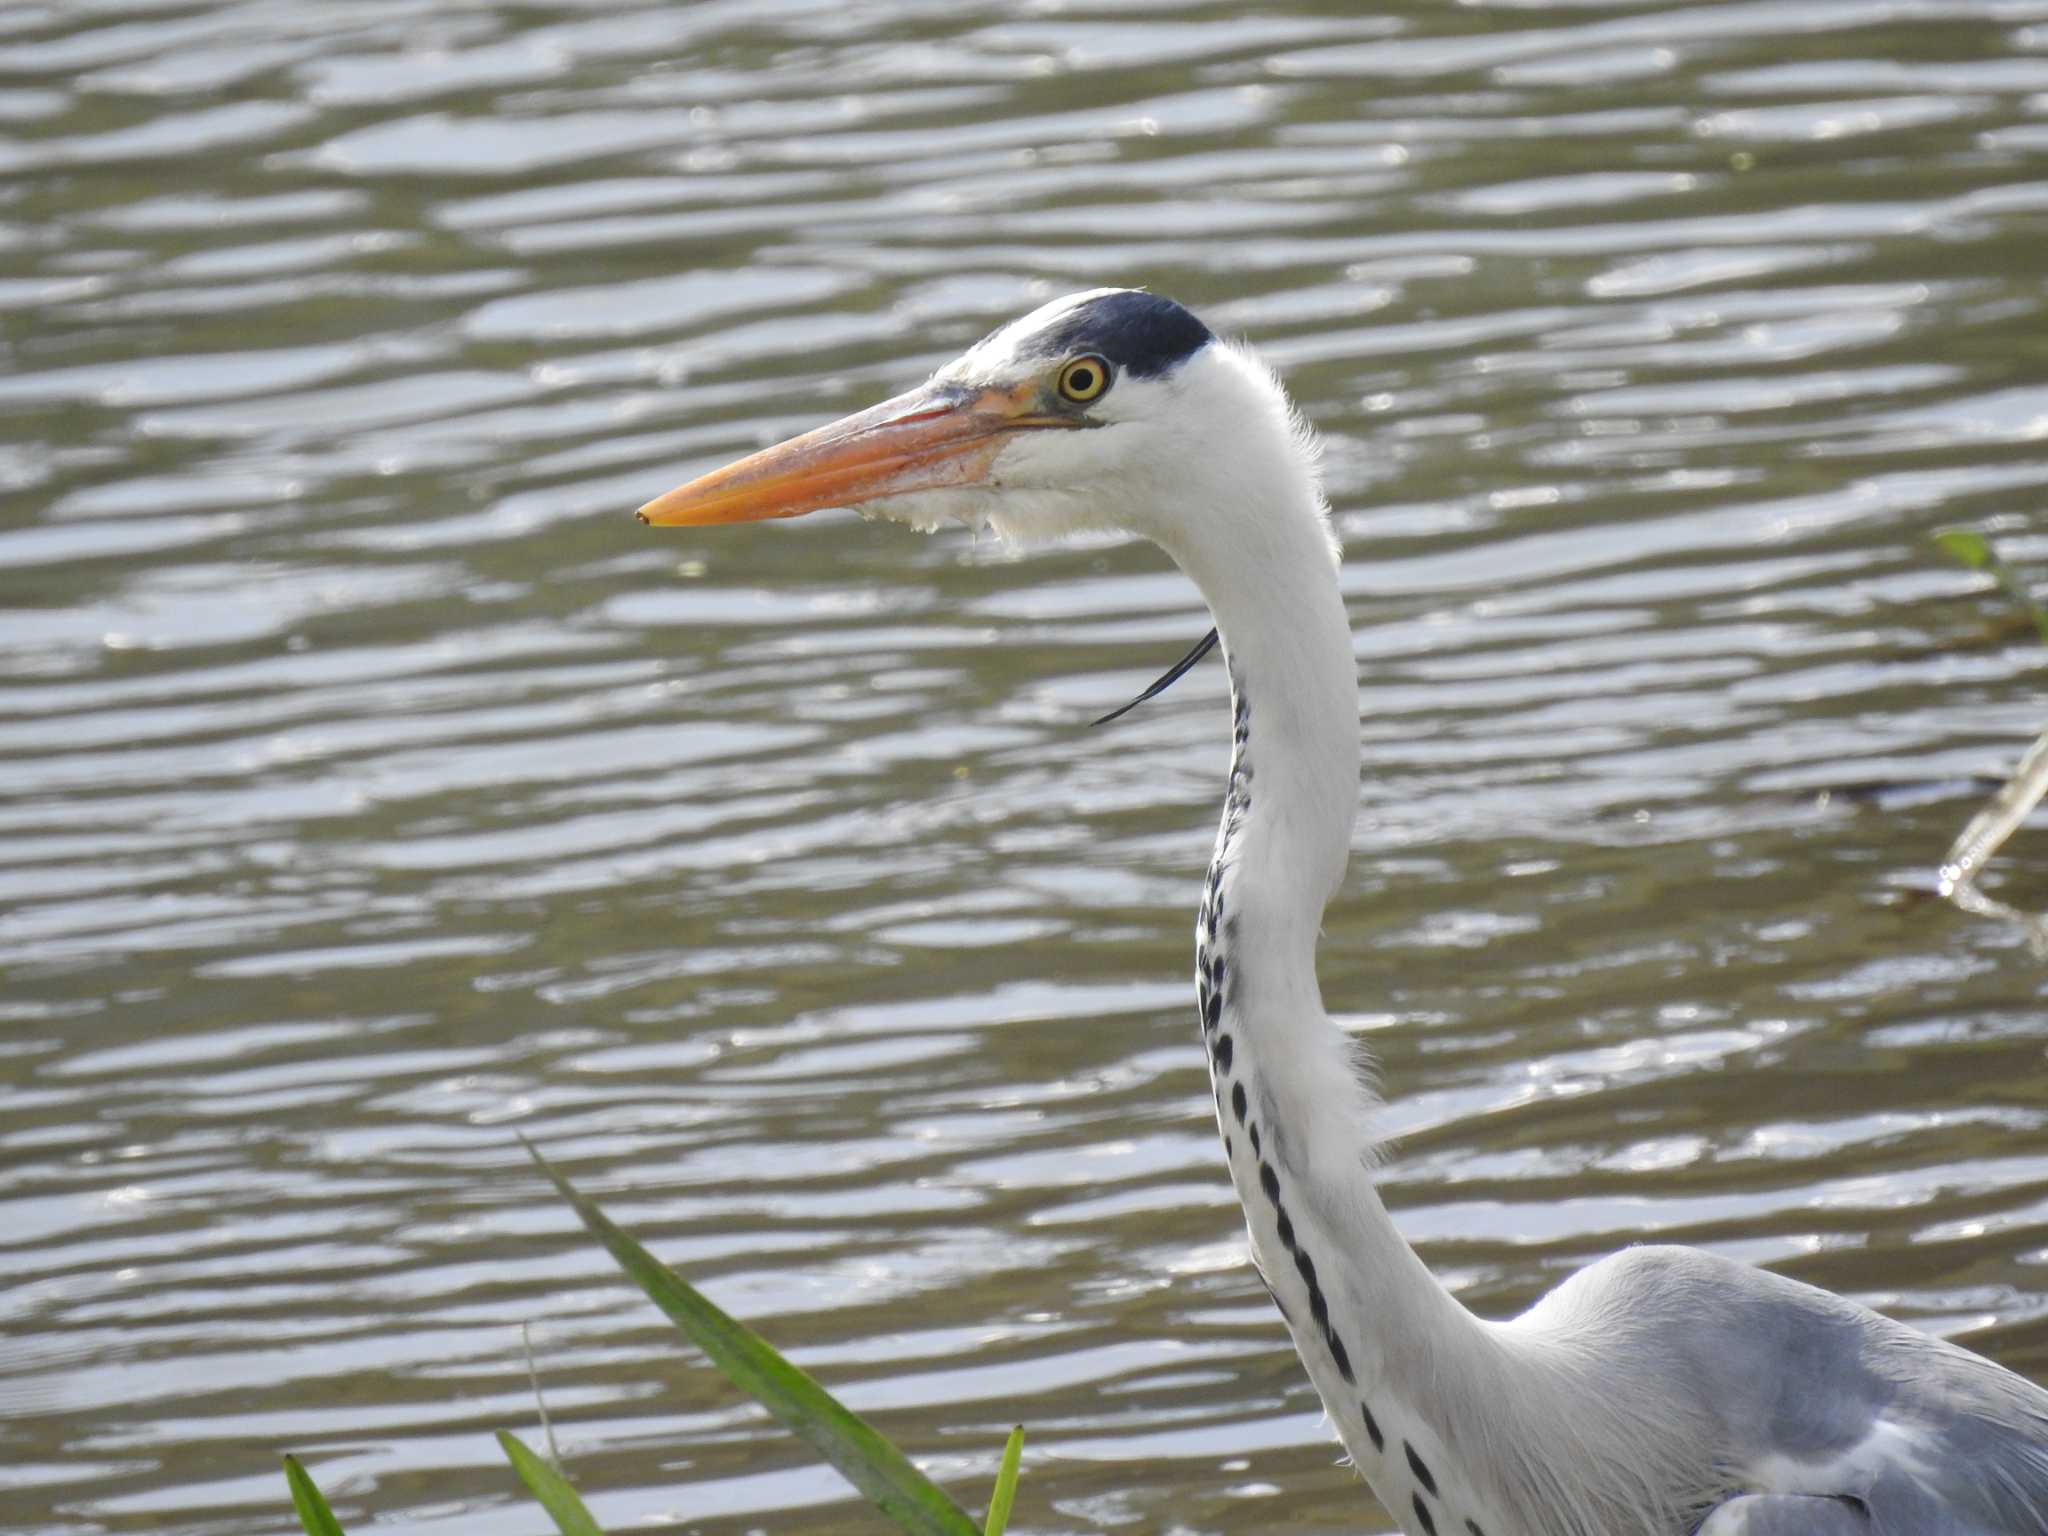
1202,648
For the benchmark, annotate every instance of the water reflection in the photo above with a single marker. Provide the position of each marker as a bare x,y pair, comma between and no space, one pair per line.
373,788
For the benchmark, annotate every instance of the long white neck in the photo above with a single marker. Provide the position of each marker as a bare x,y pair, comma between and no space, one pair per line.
1393,1354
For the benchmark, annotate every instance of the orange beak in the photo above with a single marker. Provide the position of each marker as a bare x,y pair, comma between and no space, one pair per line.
938,435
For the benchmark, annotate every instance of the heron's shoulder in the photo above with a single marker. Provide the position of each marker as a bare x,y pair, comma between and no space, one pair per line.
1711,1302
1706,1317
1652,1279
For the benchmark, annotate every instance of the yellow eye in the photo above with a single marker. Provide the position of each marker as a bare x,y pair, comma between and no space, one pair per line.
1084,378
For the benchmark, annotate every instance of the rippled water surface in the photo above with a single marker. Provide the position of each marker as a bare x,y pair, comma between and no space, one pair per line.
372,788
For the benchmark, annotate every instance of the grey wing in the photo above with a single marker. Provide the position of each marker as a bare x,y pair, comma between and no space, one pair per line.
1970,1442
1799,1395
1922,1437
1789,1514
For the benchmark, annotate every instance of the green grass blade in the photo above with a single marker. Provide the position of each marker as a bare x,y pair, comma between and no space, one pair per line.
550,1487
1005,1495
853,1447
314,1514
1974,550
1966,546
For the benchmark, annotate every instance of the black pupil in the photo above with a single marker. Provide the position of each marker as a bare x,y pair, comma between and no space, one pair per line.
1081,380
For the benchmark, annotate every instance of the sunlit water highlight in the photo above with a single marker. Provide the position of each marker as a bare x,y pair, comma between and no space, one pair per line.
371,788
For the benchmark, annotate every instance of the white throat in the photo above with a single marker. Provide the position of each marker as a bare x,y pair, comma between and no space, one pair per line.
1387,1347
1254,536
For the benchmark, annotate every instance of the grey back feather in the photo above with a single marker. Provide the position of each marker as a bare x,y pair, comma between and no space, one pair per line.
1708,1378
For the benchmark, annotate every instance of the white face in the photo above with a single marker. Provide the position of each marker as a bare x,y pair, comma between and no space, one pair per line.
1111,410
1052,485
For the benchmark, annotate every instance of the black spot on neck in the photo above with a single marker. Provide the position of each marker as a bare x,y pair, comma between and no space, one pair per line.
1143,334
1419,1467
1339,1354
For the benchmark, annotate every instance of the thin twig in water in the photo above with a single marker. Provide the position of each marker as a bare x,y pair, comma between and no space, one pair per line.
1986,834
547,1429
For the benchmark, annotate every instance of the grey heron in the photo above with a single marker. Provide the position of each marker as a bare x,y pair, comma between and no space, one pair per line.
1661,1391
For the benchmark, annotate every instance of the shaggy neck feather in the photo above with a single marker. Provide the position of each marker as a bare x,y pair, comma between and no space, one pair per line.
1394,1356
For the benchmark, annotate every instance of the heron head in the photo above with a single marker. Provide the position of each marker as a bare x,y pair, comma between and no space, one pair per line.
1096,412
